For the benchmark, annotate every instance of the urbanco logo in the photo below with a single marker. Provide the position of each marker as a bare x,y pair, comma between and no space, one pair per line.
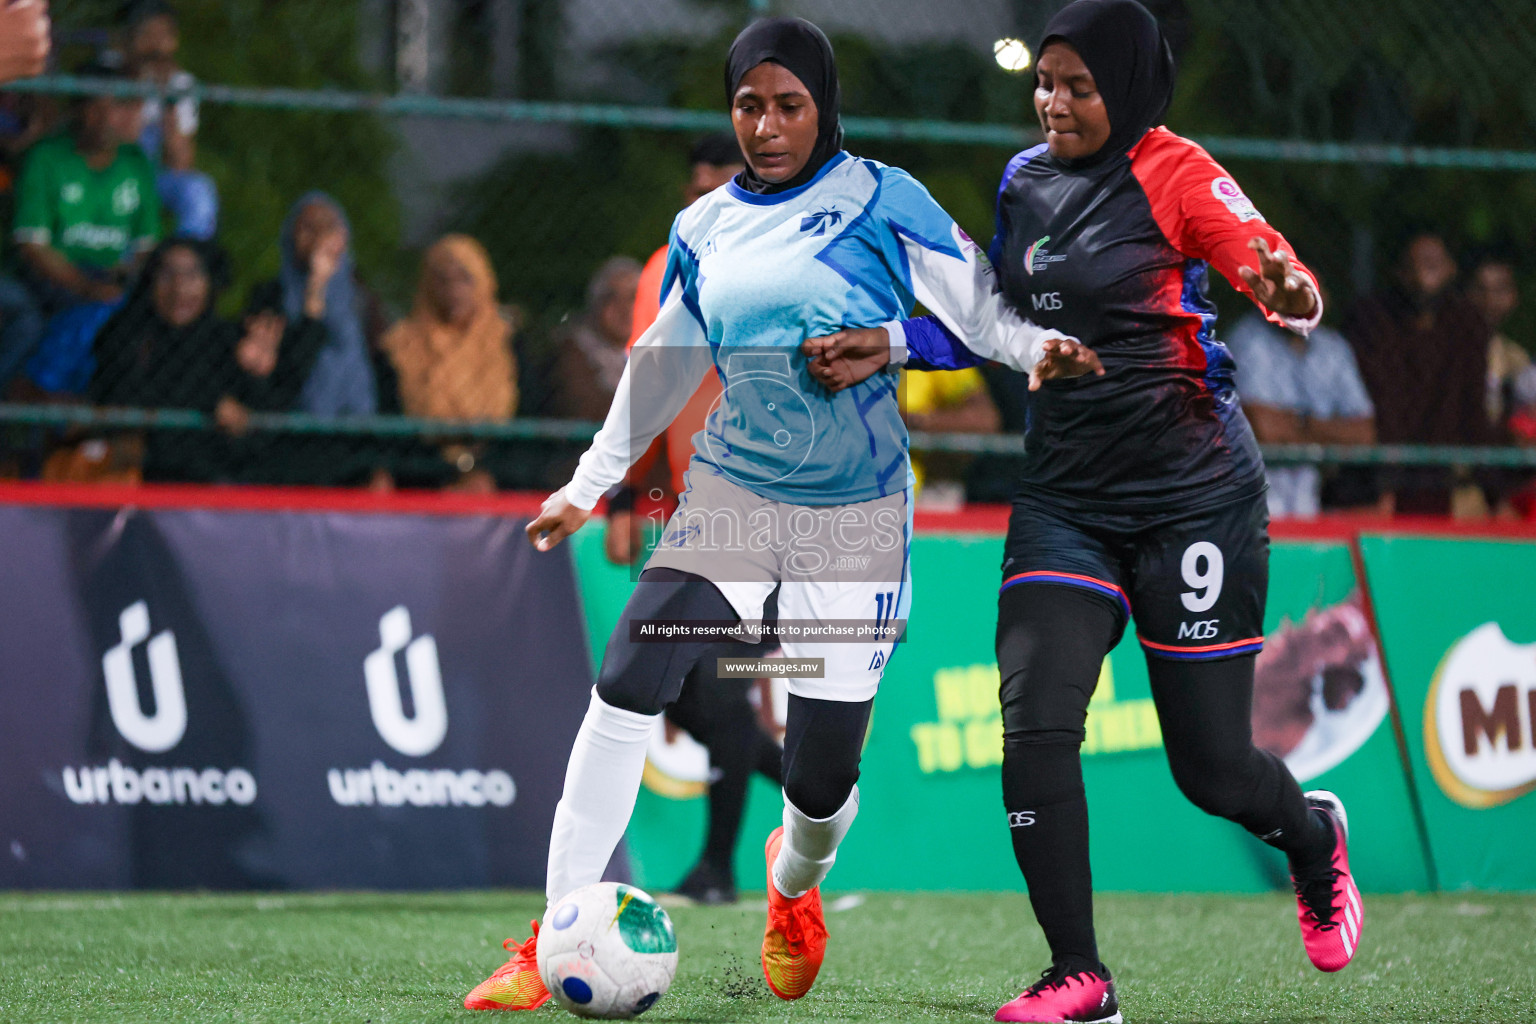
416,736
164,729
120,783
422,733
1479,719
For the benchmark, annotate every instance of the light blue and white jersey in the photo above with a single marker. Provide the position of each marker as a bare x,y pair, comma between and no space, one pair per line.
749,279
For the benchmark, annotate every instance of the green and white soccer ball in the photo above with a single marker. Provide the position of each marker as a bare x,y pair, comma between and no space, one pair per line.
607,951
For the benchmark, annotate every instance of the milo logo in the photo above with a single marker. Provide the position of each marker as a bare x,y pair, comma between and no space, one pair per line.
1480,719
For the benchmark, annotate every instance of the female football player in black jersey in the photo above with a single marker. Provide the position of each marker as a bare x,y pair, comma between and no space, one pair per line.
1143,490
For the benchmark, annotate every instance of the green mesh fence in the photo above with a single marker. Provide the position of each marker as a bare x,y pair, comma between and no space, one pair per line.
556,133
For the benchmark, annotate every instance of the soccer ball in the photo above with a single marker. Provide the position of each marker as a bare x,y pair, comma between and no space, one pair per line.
607,951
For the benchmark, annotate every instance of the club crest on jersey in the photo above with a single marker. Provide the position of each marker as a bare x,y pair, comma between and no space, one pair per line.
1038,256
821,220
1232,197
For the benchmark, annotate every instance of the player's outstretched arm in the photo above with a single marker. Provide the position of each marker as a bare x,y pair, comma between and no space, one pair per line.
1205,215
973,323
843,359
557,520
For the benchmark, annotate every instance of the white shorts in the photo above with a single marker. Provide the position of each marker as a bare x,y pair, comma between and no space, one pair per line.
843,574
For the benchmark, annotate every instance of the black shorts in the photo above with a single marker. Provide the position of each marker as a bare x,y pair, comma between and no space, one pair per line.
1195,582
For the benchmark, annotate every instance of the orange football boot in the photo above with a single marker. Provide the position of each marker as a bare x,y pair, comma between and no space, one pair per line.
516,985
795,941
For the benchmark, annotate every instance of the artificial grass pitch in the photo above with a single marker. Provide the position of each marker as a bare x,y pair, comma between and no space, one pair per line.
370,958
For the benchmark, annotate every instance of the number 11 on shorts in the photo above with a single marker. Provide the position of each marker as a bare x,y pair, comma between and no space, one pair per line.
885,611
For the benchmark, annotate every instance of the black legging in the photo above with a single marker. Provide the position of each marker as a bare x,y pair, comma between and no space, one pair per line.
1051,643
717,713
646,677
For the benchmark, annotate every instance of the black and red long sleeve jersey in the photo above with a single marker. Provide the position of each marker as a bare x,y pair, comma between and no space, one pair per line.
1117,255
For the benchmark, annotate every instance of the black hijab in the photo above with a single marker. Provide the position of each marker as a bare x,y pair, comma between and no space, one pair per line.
142,360
1132,65
803,50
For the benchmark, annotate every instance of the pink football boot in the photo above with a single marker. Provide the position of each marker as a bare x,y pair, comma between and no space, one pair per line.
1066,996
1327,903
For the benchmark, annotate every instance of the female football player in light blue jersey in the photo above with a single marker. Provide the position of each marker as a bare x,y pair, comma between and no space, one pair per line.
792,489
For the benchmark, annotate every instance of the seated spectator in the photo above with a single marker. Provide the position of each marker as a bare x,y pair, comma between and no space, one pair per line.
1422,349
453,356
313,304
1496,294
167,349
593,347
169,137
453,353
1299,390
86,213
304,350
947,402
1511,375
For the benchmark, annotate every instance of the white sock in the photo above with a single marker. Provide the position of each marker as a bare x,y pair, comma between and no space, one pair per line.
810,846
601,783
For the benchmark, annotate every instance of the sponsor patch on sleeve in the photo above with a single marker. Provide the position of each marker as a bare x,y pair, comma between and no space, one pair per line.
968,244
1241,206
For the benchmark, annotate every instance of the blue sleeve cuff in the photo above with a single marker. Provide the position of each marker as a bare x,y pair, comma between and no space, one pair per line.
931,346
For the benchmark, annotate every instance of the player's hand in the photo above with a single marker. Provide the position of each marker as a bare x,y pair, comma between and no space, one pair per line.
557,520
1064,357
24,39
1277,284
841,360
326,259
256,352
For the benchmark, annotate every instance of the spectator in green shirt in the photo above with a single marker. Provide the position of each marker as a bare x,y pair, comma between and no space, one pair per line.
86,214
86,204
